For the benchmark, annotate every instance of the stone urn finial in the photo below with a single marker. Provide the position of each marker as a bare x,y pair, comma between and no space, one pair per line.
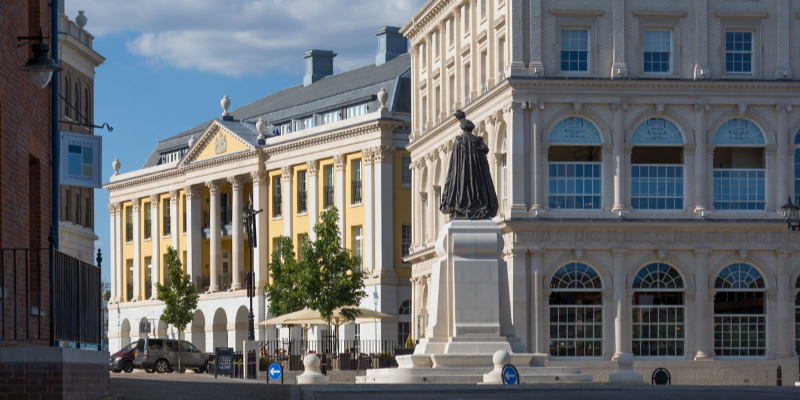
81,20
116,164
260,126
191,141
382,98
225,103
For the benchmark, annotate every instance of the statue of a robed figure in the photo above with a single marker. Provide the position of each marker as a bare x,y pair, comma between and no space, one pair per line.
468,190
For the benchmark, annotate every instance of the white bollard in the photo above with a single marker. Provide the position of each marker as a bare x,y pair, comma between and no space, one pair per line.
625,374
500,359
312,374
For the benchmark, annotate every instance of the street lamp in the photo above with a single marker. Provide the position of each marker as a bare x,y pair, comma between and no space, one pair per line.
791,214
249,217
41,65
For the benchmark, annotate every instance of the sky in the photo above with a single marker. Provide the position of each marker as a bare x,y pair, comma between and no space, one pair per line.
170,62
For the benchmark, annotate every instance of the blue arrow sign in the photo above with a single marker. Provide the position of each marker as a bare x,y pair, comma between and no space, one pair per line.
274,371
510,375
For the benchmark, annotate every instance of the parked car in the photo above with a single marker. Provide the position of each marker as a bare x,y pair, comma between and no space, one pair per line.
161,355
123,359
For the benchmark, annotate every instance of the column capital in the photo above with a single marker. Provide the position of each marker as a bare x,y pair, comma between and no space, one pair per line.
173,196
783,107
339,160
154,201
313,167
192,191
702,107
287,171
367,156
136,203
236,182
514,252
258,176
112,208
624,106
213,187
383,154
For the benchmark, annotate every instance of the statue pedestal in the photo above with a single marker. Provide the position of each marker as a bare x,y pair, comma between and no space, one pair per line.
464,323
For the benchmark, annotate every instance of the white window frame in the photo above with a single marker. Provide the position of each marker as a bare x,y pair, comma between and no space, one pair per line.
577,19
405,171
358,246
742,21
670,51
652,20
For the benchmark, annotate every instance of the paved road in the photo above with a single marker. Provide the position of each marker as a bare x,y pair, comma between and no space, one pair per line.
191,387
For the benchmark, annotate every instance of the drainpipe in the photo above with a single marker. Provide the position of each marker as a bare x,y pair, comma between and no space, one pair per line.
55,157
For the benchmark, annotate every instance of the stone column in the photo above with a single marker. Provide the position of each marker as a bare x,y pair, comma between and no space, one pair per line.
415,202
113,248
700,157
618,134
154,235
118,247
537,175
193,234
517,291
538,301
703,320
215,228
286,192
311,198
414,307
384,224
535,38
366,200
517,29
785,314
237,242
701,40
430,161
782,156
457,37
783,69
137,251
619,69
174,220
515,161
771,151
620,295
260,202
340,160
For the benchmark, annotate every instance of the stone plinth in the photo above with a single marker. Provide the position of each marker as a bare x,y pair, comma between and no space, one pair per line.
312,374
625,374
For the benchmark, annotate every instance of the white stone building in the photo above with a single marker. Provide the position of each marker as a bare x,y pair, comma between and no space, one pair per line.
641,152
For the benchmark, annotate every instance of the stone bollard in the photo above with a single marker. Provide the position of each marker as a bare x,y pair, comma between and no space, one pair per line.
312,374
625,374
500,359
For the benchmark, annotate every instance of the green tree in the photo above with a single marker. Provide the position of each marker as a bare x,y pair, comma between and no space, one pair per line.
284,293
330,277
179,296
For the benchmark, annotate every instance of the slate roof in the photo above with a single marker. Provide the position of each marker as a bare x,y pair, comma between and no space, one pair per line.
333,92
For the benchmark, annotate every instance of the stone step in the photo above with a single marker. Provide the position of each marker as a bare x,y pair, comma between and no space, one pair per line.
529,375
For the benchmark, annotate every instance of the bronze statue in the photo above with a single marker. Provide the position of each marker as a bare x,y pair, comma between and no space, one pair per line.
468,190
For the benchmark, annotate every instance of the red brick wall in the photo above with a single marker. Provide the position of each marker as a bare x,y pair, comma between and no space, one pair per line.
24,135
46,380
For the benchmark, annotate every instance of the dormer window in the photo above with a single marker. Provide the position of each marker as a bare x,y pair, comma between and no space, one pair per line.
175,156
357,111
284,129
331,117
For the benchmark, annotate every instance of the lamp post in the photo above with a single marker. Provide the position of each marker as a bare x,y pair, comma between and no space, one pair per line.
791,214
249,216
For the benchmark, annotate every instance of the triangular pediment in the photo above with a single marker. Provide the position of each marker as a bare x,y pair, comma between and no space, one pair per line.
215,141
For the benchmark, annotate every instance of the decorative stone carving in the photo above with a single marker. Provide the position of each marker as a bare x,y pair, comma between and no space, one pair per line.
578,254
313,167
287,171
213,187
116,164
225,103
136,204
382,98
191,141
112,209
660,108
258,176
339,160
173,196
366,155
660,254
383,153
576,108
220,144
154,201
191,191
742,109
236,182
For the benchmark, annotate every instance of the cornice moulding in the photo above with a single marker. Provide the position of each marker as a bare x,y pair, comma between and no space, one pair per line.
660,13
741,14
570,12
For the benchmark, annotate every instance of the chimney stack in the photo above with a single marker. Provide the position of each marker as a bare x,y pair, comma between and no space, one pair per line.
390,44
319,64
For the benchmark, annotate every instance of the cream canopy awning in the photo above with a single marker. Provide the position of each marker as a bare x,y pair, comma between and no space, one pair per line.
312,317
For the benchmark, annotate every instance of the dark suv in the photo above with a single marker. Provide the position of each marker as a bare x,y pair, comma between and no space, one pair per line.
123,359
161,355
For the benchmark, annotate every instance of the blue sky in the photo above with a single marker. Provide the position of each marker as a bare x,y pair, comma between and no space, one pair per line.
169,62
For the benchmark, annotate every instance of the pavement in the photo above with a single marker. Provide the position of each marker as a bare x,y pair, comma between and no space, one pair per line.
201,386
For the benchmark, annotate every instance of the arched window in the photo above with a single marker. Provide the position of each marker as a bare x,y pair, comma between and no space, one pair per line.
740,318
659,314
740,143
657,166
404,323
86,106
66,98
576,312
77,104
574,165
504,174
405,308
423,205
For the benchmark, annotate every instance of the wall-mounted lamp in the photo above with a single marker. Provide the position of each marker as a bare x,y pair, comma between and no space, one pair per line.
41,65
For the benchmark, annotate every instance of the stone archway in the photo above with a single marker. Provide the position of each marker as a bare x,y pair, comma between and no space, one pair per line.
197,331
125,333
220,329
241,328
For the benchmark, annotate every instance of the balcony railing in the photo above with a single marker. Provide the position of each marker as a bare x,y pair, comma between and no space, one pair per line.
328,196
356,192
339,355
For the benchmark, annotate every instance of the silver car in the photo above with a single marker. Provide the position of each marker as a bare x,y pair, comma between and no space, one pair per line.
161,355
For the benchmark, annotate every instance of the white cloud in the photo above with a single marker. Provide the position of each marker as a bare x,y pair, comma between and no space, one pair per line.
245,37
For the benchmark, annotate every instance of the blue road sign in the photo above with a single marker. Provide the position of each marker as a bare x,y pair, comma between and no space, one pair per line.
510,375
275,371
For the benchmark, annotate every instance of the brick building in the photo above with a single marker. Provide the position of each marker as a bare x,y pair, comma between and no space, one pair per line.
28,364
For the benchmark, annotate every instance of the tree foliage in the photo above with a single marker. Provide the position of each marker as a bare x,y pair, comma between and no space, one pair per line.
330,276
284,292
179,296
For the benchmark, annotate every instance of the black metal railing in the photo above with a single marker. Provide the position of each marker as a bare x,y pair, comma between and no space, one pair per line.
48,296
202,282
343,355
357,192
328,196
302,202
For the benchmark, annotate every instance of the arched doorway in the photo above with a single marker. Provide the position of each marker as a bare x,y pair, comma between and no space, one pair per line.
197,331
241,328
125,333
220,329
576,312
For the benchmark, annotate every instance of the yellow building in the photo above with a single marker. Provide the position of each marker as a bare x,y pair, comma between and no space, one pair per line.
336,140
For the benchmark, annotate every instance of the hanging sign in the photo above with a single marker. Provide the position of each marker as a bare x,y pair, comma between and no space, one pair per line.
81,160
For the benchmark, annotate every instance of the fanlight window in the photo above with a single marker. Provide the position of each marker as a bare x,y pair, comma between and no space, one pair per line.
576,276
575,130
405,308
738,131
739,276
658,276
657,131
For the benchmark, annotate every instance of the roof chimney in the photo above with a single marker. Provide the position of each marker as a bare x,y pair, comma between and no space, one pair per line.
319,64
390,44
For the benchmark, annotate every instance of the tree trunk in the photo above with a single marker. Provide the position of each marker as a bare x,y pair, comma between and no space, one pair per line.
180,349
